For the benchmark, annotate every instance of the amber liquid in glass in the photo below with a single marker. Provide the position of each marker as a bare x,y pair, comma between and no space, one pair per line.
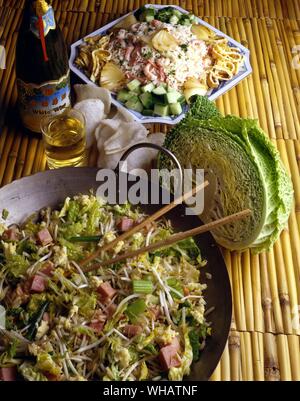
65,142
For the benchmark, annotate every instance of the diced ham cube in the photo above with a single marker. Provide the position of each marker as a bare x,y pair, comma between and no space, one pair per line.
12,234
97,326
125,224
132,330
47,269
38,284
44,237
111,310
106,290
8,374
168,357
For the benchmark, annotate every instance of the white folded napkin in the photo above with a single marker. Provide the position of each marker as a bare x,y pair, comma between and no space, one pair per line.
114,129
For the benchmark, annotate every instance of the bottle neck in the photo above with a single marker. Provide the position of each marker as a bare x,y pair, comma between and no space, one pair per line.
36,7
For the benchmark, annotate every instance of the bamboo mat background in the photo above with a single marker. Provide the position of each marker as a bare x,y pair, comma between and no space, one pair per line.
264,342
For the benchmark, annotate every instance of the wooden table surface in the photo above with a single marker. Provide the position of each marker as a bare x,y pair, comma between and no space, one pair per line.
264,342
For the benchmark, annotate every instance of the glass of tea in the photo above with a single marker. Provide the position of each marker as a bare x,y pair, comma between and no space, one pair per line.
65,139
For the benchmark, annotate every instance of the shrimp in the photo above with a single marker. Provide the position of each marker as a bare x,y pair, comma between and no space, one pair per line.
121,34
128,52
135,27
154,72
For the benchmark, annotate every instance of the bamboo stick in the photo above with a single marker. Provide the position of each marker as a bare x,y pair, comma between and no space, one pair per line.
11,162
33,143
263,84
293,279
256,293
225,364
257,356
246,357
239,305
234,346
272,278
256,91
245,108
249,83
5,154
247,284
289,43
283,358
281,75
294,351
284,295
280,124
227,258
272,372
266,295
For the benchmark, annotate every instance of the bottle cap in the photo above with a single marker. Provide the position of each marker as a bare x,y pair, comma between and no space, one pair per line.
41,7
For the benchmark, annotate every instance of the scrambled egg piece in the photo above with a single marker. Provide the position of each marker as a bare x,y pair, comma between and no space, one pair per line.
164,336
197,288
109,237
118,247
198,313
95,281
9,249
123,356
42,330
60,257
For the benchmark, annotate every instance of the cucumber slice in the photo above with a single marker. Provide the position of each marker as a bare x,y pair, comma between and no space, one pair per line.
160,99
134,105
175,109
174,20
147,100
173,96
147,112
161,110
149,14
124,95
133,85
148,88
160,90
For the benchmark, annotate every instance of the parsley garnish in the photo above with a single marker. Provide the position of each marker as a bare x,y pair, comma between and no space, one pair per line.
184,47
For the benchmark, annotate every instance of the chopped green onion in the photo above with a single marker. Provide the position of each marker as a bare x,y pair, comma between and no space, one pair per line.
90,238
135,309
142,286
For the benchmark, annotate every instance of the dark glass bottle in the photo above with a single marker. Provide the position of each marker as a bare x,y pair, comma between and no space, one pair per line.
42,68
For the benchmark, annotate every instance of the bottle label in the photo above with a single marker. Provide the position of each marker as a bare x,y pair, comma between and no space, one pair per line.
48,20
37,101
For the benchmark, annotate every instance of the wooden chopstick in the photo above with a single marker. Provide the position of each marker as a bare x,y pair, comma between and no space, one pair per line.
174,238
144,223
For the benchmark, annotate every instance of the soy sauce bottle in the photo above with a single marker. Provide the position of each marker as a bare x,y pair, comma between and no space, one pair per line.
42,68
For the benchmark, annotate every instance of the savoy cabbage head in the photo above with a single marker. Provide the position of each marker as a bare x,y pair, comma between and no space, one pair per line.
244,170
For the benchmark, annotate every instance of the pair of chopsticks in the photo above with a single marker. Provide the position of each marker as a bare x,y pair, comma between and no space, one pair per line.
161,244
